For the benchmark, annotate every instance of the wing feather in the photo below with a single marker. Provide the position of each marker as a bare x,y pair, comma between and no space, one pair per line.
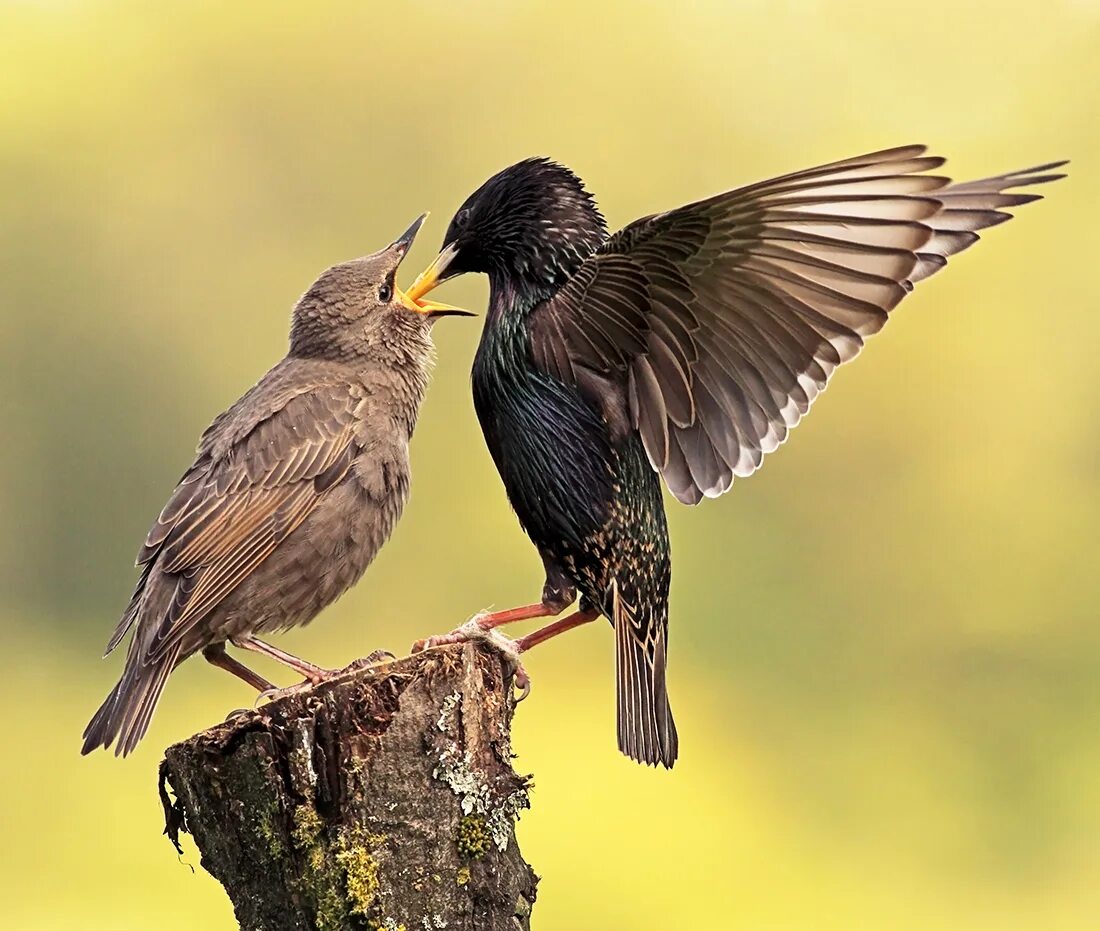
722,321
232,510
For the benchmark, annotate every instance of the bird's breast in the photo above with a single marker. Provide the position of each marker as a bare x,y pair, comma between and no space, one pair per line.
550,444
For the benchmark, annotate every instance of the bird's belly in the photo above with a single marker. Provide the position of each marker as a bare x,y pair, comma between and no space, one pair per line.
592,506
317,563
555,461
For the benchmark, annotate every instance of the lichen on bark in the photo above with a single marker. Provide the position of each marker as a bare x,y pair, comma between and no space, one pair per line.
381,799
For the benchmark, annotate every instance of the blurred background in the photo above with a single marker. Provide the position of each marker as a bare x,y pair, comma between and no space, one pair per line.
885,649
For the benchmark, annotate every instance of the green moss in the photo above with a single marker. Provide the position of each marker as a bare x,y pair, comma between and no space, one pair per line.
265,827
473,837
330,910
360,868
341,875
307,827
462,877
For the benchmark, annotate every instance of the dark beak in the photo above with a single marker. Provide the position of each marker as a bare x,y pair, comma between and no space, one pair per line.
404,242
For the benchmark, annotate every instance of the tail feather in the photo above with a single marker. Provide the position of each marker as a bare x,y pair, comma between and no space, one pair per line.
646,730
124,717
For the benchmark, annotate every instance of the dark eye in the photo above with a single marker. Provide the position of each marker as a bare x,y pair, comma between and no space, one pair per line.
462,217
385,293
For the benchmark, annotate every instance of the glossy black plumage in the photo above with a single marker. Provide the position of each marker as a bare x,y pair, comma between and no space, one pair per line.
688,344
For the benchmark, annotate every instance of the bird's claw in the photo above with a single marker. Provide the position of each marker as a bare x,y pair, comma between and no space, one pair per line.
270,695
521,680
377,658
238,713
511,650
472,631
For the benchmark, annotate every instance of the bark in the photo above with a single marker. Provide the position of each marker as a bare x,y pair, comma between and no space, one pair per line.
384,798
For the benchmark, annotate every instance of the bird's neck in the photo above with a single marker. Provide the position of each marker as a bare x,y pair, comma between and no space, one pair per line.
504,345
515,294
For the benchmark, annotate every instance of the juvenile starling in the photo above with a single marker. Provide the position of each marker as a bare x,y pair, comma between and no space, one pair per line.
688,344
293,491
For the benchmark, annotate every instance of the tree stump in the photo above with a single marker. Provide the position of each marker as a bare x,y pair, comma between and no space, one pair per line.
383,798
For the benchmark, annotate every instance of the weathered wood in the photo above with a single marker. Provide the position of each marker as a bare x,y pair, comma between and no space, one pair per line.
384,798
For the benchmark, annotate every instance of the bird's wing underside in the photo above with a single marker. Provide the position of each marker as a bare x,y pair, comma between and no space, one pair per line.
227,515
721,321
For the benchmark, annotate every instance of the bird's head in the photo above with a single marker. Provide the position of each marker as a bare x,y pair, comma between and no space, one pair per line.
530,225
356,308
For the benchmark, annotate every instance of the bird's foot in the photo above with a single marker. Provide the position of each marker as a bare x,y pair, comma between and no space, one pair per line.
270,695
473,631
314,675
238,713
377,658
521,681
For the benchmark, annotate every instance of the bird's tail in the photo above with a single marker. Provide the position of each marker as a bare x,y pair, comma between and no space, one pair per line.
124,717
647,732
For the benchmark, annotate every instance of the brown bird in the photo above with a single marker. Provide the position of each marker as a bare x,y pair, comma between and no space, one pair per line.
293,491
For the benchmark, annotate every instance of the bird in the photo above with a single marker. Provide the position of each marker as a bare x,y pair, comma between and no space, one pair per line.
293,491
685,347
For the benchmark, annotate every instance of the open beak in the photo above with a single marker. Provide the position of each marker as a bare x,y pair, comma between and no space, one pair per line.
431,308
434,275
412,298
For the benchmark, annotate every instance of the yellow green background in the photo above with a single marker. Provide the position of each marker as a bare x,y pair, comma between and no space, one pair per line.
884,647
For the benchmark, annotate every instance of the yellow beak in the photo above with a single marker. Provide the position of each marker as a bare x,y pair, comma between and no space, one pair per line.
432,276
431,308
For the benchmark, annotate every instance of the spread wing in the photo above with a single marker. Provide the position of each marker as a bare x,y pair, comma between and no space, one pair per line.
230,511
721,321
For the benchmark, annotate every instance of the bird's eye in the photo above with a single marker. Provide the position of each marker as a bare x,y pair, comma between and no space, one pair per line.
462,217
385,293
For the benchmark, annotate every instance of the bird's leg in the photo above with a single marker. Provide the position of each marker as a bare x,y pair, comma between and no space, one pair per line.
377,658
558,593
493,619
215,655
313,674
480,624
576,619
523,644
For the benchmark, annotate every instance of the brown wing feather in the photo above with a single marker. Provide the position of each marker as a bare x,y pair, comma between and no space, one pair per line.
722,321
230,512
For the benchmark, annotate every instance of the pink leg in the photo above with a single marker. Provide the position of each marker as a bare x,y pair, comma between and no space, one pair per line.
490,621
215,655
576,619
524,613
313,673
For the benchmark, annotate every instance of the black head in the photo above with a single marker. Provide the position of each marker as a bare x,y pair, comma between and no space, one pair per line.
530,225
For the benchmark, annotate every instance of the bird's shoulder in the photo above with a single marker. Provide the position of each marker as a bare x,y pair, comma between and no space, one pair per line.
288,392
292,436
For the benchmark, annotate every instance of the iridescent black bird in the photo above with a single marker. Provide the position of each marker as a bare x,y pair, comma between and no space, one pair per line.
687,344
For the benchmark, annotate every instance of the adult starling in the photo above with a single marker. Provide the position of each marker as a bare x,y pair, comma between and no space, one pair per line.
688,344
293,491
